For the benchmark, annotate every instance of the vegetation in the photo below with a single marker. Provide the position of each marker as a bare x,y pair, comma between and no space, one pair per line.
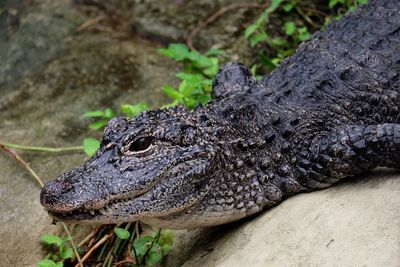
123,242
298,21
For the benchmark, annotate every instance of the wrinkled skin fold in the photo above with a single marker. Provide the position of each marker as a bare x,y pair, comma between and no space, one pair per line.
329,112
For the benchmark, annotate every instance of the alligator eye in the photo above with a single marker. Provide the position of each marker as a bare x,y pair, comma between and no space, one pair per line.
141,144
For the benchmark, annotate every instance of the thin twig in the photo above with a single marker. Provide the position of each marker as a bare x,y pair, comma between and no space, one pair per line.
73,245
89,236
305,17
23,162
315,11
42,148
215,16
90,22
125,261
98,244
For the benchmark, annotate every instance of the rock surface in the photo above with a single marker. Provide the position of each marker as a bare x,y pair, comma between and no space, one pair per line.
355,223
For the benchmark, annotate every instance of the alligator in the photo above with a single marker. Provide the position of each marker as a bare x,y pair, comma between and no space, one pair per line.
329,112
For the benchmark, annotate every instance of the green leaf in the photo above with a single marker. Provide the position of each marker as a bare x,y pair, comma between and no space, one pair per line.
47,263
192,79
352,8
276,61
51,239
133,110
172,104
254,69
304,35
190,103
332,3
275,4
67,253
290,28
276,42
90,146
67,238
97,125
94,114
165,249
166,52
167,237
142,245
178,52
186,88
122,233
202,62
250,30
153,258
362,2
288,7
171,92
255,39
194,56
109,113
213,68
206,85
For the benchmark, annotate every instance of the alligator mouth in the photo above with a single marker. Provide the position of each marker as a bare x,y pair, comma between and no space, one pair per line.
123,207
83,214
93,210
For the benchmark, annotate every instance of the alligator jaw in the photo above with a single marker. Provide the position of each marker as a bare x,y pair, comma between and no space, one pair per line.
83,215
128,210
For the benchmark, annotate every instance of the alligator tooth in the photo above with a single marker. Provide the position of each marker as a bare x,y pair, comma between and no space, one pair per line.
91,212
103,211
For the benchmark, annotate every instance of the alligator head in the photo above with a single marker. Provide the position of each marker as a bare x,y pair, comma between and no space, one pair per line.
173,168
158,164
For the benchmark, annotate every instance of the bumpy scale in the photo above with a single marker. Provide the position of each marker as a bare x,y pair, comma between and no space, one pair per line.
329,112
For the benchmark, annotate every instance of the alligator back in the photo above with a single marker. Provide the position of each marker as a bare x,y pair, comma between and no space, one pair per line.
352,69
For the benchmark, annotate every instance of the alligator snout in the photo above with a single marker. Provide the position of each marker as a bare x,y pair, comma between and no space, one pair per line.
53,192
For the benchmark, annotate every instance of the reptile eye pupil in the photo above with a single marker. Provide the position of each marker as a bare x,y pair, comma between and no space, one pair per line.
141,144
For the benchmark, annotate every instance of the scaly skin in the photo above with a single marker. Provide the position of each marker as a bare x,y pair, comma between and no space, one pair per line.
329,112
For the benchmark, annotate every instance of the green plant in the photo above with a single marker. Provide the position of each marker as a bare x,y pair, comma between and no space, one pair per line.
194,89
283,44
125,245
150,249
199,71
255,32
60,251
91,145
340,7
280,47
350,5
